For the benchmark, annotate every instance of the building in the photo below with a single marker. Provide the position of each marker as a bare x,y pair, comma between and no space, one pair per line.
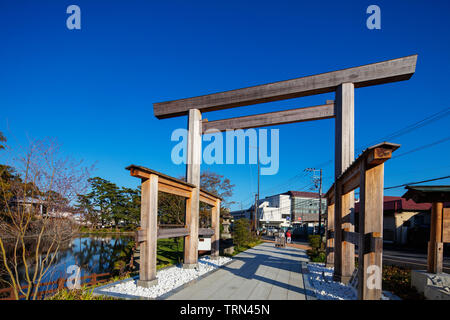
404,221
284,210
39,207
36,205
305,207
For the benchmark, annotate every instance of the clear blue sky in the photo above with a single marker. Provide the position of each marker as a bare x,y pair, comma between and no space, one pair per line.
93,88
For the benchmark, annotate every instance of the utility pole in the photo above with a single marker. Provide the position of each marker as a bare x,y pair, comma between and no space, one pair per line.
320,205
257,217
318,185
255,214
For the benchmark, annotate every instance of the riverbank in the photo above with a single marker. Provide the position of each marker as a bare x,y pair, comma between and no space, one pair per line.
86,231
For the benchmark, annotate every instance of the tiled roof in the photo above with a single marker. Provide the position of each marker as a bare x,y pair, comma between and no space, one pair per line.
398,204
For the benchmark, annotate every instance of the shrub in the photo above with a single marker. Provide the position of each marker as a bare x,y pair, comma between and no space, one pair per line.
317,252
314,241
241,232
398,281
319,257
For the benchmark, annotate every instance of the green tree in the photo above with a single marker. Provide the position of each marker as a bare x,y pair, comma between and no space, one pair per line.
131,212
9,181
86,208
99,203
171,208
109,205
241,232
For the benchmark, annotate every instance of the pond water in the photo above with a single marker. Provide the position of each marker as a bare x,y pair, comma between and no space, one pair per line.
92,254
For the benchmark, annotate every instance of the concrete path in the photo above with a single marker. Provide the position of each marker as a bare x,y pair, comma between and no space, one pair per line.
261,273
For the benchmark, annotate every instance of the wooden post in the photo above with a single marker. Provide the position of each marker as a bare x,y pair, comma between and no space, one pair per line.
371,232
12,294
435,246
215,225
61,282
194,153
344,254
330,236
93,279
149,226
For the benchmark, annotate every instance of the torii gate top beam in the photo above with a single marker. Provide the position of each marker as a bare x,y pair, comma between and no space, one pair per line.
371,74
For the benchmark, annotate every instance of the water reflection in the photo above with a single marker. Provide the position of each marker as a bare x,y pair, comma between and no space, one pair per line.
93,254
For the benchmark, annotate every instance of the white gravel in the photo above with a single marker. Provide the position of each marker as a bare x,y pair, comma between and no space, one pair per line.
325,288
169,279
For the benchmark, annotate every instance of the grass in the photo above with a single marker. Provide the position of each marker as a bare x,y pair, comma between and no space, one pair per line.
105,230
169,252
85,292
242,248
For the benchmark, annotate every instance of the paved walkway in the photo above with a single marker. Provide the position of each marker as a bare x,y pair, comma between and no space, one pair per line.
261,273
293,245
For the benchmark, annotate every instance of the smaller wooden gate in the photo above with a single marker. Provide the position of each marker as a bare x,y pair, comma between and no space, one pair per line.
367,174
440,220
152,182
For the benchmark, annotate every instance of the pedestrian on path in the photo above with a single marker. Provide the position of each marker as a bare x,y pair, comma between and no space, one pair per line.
288,236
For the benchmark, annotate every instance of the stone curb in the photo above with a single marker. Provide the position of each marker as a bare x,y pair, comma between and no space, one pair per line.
391,296
309,289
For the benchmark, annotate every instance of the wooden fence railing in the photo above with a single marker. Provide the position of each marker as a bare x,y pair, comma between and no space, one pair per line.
57,285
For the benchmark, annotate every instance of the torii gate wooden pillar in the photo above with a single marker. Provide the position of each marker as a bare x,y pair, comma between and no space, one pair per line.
194,153
344,261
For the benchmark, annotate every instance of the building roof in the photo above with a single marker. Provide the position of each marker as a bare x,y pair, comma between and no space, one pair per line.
28,200
398,204
303,194
421,194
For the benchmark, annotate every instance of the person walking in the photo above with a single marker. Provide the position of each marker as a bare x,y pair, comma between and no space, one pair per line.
288,236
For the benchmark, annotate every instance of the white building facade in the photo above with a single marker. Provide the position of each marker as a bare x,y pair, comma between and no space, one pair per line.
285,210
275,211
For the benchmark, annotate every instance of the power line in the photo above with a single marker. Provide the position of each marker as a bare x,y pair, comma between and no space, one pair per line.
422,147
410,183
419,124
414,126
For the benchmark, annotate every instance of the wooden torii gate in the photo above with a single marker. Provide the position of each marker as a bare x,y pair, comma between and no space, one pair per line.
151,183
342,82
